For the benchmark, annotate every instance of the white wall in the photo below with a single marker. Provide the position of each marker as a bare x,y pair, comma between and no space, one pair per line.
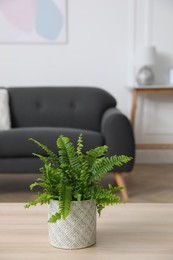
95,53
154,24
102,38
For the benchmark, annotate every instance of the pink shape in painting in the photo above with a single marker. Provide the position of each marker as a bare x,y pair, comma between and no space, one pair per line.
20,13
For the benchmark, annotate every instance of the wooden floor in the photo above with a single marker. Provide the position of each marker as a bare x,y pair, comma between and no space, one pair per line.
147,183
151,183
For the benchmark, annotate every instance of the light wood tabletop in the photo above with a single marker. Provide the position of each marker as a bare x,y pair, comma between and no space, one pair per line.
126,231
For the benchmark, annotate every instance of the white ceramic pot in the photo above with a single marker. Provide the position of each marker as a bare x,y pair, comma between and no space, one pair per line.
79,228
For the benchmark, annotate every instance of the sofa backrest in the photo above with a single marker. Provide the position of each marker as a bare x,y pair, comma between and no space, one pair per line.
75,107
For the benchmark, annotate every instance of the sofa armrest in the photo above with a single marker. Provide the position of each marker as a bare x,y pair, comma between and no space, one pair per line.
119,137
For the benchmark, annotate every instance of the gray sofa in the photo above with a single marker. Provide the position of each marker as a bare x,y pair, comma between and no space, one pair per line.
46,112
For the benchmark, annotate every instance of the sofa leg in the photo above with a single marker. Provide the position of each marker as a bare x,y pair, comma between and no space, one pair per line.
120,182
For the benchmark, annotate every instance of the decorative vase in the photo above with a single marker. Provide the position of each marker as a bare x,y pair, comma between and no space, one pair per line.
79,228
145,76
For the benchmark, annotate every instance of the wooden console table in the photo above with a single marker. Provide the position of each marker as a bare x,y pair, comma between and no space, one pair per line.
143,90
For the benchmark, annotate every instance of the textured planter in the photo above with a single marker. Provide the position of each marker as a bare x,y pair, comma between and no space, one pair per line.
79,228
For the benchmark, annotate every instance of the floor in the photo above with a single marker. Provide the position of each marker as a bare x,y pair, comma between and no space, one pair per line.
151,183
147,183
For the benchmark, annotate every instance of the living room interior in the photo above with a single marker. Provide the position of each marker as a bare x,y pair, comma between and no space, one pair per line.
121,47
100,50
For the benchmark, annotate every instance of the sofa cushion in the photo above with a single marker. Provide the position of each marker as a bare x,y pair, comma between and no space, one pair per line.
5,122
14,142
20,165
75,107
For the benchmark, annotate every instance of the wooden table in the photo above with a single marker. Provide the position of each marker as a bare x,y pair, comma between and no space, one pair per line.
126,231
155,89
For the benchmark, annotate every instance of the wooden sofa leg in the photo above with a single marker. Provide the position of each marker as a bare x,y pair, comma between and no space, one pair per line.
120,182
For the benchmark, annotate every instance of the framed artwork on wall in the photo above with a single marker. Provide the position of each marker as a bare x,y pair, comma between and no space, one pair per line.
33,21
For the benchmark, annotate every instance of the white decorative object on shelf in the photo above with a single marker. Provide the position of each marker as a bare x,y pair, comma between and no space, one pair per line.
145,60
145,76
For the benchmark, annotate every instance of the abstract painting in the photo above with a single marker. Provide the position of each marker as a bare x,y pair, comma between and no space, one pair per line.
34,21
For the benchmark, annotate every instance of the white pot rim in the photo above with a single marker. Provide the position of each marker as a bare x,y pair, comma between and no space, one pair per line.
76,200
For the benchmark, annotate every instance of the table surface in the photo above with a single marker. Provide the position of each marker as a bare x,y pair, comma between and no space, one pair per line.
126,231
151,87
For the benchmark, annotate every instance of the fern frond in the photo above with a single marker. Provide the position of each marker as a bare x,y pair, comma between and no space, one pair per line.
95,154
84,175
67,154
98,151
103,197
65,196
52,178
41,184
52,155
55,217
49,180
115,188
110,200
79,146
77,196
104,165
119,160
41,198
44,159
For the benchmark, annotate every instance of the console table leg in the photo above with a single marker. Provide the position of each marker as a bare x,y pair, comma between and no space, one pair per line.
133,110
120,182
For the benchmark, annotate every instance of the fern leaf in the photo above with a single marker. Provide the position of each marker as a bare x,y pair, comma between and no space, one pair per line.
44,159
84,174
65,196
67,154
120,160
98,151
104,165
78,196
94,155
52,155
79,146
55,217
41,184
103,197
115,188
41,198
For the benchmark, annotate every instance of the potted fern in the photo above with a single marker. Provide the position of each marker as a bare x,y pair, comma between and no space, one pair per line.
71,186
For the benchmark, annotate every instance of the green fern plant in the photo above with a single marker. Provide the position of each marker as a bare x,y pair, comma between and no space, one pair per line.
73,175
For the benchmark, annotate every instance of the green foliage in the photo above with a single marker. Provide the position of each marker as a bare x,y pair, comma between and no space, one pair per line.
72,175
